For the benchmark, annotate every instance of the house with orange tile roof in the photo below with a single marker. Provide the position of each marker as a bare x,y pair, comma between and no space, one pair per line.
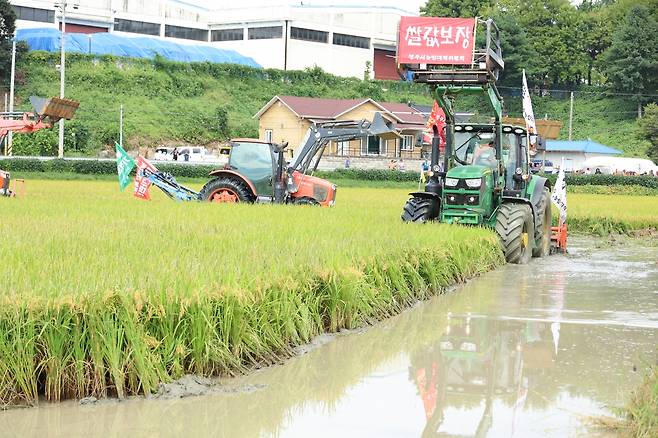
287,118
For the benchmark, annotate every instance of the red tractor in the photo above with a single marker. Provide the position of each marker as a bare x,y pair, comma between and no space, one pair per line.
257,171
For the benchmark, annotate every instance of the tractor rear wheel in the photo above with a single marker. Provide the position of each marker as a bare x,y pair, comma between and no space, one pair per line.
420,210
515,228
226,190
543,225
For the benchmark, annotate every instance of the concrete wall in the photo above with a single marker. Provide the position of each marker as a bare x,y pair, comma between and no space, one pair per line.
332,163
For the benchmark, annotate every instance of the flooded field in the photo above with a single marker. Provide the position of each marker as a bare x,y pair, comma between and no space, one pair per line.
523,351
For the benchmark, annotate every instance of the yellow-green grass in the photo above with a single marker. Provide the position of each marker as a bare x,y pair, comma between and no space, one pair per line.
603,214
642,410
105,294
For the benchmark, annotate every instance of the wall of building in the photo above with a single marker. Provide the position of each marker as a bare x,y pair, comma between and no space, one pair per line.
378,25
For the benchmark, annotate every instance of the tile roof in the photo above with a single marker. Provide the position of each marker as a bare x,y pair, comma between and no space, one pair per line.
312,107
586,146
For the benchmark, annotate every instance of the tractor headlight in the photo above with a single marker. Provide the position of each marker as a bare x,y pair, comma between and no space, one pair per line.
445,345
468,346
474,183
451,182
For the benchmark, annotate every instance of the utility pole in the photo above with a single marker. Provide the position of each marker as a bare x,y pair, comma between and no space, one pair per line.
571,116
121,125
62,68
10,136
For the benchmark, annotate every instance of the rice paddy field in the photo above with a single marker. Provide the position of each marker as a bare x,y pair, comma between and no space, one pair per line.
103,294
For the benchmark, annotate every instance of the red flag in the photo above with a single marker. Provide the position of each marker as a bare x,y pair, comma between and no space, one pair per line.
437,118
142,184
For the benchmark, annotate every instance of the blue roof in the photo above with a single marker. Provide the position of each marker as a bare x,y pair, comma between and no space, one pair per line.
141,47
586,146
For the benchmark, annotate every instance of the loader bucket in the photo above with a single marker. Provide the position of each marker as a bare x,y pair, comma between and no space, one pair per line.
55,108
382,128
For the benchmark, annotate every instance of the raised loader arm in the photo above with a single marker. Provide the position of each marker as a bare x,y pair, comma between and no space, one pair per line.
320,134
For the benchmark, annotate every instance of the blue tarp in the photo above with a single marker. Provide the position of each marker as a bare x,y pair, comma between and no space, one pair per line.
48,39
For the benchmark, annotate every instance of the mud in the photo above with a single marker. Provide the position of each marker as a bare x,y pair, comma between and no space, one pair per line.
540,351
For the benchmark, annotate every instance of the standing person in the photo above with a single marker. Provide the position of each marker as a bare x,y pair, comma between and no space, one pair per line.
347,162
186,155
392,165
401,165
175,154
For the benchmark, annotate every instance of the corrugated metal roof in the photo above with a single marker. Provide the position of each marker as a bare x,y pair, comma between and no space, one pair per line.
586,146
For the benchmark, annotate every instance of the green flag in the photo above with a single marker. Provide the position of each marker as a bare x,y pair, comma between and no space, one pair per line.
124,165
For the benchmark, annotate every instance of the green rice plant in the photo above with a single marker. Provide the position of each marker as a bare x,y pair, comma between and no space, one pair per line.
107,295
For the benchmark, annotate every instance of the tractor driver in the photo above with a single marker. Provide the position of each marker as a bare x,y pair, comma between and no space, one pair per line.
485,155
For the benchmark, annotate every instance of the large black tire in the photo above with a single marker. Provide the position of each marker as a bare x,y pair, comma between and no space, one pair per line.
234,188
543,225
305,200
420,210
515,227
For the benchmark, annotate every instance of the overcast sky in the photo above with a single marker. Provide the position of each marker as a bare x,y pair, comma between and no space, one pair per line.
409,5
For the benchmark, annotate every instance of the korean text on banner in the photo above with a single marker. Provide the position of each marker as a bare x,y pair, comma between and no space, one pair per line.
142,183
559,196
432,40
124,165
528,114
437,118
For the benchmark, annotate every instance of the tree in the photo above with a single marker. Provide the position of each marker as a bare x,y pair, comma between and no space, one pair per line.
649,129
596,29
454,8
631,62
554,39
7,28
515,46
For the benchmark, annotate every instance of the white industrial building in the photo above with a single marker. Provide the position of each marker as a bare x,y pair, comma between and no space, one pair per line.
343,40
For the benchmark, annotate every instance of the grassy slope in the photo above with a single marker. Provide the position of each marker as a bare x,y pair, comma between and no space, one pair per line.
168,101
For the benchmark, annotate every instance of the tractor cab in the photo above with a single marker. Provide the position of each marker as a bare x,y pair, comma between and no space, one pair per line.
478,172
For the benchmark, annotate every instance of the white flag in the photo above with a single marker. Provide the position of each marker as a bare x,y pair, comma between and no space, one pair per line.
528,114
559,196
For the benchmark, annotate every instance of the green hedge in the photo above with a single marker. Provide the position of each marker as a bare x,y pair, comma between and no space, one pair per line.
609,180
369,175
96,167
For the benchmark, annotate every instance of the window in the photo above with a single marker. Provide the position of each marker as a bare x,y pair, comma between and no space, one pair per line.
227,35
265,33
142,27
268,135
187,33
34,14
318,36
407,143
253,156
342,148
196,150
373,145
351,41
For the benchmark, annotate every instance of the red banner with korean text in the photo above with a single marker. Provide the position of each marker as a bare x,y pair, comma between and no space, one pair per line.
437,118
432,40
142,184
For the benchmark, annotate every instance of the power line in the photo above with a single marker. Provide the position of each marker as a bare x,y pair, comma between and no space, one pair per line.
603,93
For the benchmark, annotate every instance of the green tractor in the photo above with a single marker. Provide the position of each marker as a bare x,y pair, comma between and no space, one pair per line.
482,176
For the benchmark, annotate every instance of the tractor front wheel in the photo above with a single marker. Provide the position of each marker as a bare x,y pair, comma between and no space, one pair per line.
543,228
226,190
420,210
515,228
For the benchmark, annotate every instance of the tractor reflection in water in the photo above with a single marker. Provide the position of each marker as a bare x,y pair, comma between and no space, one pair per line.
478,362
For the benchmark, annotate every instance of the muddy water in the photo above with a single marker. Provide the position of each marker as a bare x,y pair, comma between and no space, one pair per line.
518,352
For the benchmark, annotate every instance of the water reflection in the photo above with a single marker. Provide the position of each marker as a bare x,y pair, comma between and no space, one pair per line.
519,352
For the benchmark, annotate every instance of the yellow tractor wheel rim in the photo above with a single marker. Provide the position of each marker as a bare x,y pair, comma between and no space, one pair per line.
524,239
